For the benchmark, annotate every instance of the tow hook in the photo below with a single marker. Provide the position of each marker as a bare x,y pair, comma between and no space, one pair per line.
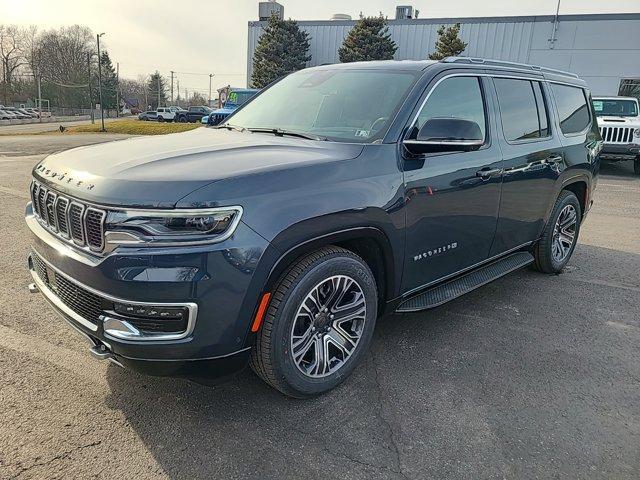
33,288
101,352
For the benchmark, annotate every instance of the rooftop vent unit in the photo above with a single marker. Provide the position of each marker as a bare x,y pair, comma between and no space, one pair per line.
266,9
340,16
404,12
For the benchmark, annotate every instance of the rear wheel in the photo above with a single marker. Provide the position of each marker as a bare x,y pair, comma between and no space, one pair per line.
559,238
318,325
161,119
182,119
636,166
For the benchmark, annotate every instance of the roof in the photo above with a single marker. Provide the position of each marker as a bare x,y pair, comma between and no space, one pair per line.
599,97
415,65
498,19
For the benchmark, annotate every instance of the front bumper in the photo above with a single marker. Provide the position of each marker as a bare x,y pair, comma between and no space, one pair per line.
218,281
615,151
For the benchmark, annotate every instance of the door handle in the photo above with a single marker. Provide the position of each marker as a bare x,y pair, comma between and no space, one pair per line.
486,173
553,160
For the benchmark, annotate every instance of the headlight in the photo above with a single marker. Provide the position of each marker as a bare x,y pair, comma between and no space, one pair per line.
170,227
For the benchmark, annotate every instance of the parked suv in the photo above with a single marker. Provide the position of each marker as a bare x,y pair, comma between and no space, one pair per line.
619,123
194,114
279,237
165,114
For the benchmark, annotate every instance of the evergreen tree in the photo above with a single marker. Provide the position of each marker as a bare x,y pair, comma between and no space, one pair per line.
281,49
109,82
369,39
448,43
156,80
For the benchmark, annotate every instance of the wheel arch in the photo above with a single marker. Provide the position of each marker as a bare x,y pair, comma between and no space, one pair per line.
580,187
370,243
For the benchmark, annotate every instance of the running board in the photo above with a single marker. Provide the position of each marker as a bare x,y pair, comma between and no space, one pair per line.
466,283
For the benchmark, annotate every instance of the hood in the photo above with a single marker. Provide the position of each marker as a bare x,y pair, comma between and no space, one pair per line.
619,121
160,170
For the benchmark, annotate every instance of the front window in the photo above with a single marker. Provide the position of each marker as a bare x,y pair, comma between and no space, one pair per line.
341,105
617,108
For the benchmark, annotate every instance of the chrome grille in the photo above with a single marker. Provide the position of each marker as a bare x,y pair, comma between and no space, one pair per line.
617,134
69,218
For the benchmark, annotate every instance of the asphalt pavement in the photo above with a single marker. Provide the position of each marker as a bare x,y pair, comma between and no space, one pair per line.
531,376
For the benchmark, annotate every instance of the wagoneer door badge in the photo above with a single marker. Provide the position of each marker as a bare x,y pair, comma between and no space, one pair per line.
435,251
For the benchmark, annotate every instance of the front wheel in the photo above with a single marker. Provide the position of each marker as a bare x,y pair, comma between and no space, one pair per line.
560,236
636,166
318,324
161,119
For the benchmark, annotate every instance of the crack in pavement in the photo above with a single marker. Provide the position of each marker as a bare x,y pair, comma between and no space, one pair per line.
60,456
387,423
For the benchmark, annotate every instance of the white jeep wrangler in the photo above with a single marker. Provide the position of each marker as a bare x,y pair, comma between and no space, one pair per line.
619,123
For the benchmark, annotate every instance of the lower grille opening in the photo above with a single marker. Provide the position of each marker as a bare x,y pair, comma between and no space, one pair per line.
152,321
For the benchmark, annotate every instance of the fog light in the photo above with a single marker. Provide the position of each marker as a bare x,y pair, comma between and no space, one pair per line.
150,311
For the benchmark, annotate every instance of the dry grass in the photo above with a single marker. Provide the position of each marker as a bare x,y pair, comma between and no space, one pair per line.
134,127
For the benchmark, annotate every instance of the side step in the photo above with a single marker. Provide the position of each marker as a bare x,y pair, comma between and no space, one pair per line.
466,283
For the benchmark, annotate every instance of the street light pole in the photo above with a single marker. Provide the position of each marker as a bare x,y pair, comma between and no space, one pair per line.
210,77
100,82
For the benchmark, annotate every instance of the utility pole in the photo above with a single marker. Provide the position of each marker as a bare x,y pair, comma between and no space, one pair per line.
117,89
178,90
210,77
40,97
158,73
172,72
93,120
100,83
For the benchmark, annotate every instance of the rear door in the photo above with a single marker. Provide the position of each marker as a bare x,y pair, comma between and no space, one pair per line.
533,160
452,198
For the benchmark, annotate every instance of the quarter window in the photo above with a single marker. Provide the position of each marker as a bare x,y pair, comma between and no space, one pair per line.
456,97
572,108
522,109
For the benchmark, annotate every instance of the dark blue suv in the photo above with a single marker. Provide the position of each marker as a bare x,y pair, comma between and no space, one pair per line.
336,195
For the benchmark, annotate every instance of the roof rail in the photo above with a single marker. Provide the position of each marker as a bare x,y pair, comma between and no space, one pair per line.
505,63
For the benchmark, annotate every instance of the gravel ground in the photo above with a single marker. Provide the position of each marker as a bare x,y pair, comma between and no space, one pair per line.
531,376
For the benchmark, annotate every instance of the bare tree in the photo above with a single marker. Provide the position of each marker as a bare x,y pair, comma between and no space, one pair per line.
11,55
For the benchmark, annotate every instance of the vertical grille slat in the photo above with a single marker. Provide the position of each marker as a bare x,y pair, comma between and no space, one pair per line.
68,218
76,227
93,227
61,215
42,209
49,214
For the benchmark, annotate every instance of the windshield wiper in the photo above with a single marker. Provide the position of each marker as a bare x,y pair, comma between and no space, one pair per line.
231,127
278,132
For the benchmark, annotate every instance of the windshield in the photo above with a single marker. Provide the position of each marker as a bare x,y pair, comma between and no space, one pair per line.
341,105
618,108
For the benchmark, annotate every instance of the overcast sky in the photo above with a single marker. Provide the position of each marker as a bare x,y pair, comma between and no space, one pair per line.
210,36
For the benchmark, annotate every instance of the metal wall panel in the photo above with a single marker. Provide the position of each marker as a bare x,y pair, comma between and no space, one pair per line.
604,48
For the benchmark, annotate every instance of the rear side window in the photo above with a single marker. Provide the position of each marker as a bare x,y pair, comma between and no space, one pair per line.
456,97
522,109
572,108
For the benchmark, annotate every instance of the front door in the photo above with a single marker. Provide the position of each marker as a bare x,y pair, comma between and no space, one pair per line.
453,198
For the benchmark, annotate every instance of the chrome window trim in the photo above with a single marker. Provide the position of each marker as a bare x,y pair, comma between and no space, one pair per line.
190,306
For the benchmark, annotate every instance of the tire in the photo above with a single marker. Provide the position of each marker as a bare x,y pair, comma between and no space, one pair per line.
554,249
182,120
636,166
161,119
274,356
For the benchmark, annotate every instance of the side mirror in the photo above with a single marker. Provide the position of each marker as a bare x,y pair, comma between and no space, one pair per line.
446,135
